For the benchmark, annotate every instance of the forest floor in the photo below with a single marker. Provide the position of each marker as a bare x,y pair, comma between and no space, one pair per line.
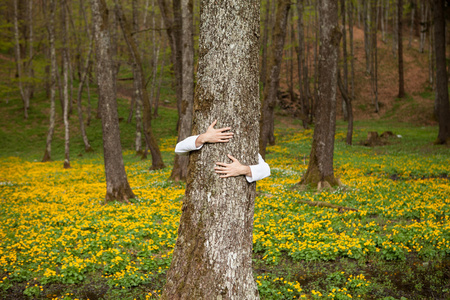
58,242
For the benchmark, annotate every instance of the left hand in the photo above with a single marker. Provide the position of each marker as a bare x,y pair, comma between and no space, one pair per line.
233,169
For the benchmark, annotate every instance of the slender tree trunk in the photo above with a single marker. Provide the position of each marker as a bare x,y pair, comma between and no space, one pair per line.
273,79
212,258
51,38
348,100
23,93
137,99
352,55
367,25
180,167
172,23
344,58
158,87
117,186
65,67
431,51
320,167
423,24
87,145
383,27
442,100
30,85
396,29
401,81
374,57
88,80
264,41
157,162
411,30
302,66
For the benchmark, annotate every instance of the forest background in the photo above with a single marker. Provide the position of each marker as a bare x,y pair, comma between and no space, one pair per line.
58,240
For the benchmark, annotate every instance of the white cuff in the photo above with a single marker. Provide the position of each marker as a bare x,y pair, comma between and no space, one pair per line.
187,145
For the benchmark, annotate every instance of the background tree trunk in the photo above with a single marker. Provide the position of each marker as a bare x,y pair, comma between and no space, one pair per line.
344,56
65,83
157,162
273,78
117,186
320,167
53,70
441,73
18,57
401,80
180,166
83,75
212,258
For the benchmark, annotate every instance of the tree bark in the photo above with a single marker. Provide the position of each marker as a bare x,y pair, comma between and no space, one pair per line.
157,162
83,75
18,57
374,58
442,100
344,58
302,65
367,26
117,186
348,101
320,167
180,166
264,45
158,87
401,80
411,29
352,55
53,70
273,78
65,83
212,258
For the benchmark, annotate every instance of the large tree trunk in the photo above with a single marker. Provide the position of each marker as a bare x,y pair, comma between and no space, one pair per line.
212,258
157,162
53,70
117,186
273,78
401,80
441,73
179,171
320,167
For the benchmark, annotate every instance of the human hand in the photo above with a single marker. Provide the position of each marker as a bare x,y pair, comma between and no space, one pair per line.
214,135
233,169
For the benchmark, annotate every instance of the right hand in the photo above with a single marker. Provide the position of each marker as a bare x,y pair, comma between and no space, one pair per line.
214,135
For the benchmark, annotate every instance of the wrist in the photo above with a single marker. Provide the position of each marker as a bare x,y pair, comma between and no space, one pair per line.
200,140
246,171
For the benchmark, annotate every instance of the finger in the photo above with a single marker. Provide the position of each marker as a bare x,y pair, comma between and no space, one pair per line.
231,157
213,124
223,141
224,129
220,164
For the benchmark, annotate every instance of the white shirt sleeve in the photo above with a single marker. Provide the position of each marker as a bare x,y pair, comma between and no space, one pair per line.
259,171
187,145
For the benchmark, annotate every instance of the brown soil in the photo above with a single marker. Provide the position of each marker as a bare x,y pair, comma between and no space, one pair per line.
414,108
